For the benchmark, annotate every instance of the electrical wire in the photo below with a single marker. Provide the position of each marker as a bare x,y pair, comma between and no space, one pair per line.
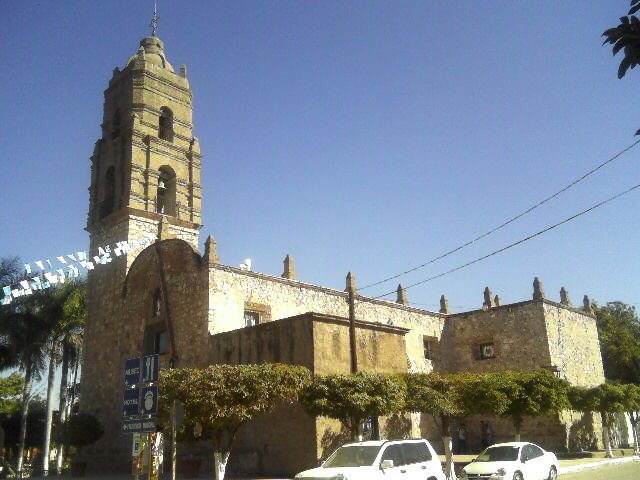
507,222
522,240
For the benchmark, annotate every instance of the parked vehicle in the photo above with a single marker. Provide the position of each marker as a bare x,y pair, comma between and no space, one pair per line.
380,460
513,460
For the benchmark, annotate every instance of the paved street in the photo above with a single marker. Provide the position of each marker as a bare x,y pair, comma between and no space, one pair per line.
626,471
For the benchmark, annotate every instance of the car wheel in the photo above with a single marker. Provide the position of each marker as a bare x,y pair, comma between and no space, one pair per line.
517,476
553,474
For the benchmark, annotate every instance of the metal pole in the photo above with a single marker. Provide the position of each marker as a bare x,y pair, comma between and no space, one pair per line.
351,290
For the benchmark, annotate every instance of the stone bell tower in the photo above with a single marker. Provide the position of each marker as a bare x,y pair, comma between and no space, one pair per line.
145,182
145,169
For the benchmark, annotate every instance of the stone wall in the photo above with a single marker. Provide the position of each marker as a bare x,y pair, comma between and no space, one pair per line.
231,289
121,313
282,442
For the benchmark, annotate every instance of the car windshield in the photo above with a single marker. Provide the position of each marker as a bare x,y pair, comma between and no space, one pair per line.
499,454
353,456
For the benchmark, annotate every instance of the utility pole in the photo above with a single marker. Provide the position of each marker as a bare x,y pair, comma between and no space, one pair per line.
351,291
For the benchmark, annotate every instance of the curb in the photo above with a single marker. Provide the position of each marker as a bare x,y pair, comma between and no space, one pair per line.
601,463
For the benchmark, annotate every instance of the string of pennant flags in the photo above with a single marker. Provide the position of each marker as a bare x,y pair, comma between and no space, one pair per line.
45,273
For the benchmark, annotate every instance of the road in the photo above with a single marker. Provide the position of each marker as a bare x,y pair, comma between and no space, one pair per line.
625,471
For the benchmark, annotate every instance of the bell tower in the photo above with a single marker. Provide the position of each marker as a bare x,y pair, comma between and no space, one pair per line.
145,168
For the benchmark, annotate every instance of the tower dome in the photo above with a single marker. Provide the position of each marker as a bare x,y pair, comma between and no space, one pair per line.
152,51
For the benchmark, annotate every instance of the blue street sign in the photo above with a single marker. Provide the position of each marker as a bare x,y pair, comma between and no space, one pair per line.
132,371
139,425
150,368
131,404
149,400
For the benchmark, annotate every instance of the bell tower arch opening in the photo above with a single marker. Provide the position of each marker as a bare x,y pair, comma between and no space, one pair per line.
166,192
165,124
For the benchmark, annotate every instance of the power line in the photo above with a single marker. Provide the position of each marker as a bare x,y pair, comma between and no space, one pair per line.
523,240
507,222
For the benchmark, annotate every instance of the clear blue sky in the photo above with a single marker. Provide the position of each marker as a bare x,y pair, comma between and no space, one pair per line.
368,136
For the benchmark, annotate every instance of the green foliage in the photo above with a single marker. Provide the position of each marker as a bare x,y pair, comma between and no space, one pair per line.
80,429
626,38
604,398
535,394
352,398
10,391
222,397
35,426
433,393
485,393
619,331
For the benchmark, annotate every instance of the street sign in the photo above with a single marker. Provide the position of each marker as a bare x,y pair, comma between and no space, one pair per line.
131,404
150,368
132,371
139,425
149,400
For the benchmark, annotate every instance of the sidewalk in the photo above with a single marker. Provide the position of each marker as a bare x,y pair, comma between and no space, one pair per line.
569,465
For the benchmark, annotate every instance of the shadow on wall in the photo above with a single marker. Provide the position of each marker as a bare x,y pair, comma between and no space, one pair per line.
331,440
582,435
397,426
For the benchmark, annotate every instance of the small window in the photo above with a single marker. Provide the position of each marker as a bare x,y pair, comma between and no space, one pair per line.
165,124
161,343
534,452
487,350
430,347
156,339
251,318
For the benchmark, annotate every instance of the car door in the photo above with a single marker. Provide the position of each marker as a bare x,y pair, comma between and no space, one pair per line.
538,463
399,470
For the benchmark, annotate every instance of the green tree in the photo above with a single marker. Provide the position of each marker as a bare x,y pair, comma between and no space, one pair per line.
626,38
10,390
532,395
23,340
221,398
606,399
439,396
632,407
64,310
353,398
619,332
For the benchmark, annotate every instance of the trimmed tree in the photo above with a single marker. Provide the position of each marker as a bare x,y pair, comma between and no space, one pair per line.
439,396
353,398
606,399
221,398
532,395
632,407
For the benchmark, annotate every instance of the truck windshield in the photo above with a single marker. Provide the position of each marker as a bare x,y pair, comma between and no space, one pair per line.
353,456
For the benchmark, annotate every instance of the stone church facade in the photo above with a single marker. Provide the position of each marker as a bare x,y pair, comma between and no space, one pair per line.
193,310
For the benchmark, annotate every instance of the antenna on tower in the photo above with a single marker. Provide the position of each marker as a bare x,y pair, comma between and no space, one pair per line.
154,19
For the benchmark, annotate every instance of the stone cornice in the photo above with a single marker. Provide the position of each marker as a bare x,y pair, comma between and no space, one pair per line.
330,291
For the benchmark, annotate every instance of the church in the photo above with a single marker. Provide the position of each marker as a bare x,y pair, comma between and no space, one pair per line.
185,305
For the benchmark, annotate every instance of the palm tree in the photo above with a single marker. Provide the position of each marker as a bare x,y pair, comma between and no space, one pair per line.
23,341
64,311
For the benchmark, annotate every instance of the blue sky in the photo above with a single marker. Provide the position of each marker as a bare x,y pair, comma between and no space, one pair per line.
355,135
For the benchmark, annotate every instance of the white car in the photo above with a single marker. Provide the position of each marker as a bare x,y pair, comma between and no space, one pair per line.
379,460
513,461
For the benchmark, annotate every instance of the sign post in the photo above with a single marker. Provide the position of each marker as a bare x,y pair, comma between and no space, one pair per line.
139,410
